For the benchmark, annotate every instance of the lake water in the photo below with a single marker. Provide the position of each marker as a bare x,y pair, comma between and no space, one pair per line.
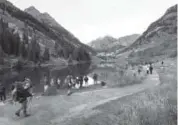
9,76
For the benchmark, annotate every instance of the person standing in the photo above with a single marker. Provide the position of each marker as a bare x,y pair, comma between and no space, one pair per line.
77,83
86,80
58,82
2,92
69,83
81,81
147,69
151,69
95,78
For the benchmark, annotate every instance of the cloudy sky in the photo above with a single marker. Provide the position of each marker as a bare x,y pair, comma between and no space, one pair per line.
90,19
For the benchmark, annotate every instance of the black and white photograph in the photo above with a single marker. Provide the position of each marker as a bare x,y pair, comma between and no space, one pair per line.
88,62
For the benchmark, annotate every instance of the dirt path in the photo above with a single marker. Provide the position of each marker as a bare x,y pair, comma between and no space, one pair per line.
57,110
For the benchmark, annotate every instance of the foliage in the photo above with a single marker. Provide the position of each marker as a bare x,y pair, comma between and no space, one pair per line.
46,55
79,54
12,45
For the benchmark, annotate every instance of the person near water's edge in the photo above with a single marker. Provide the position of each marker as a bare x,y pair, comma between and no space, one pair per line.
2,92
77,82
86,80
21,95
73,82
151,69
69,84
95,78
147,69
81,81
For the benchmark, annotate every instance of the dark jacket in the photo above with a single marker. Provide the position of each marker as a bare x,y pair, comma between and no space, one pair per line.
2,89
95,76
86,78
22,95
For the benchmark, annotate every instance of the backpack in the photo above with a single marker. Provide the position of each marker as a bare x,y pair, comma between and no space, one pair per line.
21,95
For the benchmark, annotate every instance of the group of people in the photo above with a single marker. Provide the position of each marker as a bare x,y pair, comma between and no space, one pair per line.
70,80
22,91
77,82
149,69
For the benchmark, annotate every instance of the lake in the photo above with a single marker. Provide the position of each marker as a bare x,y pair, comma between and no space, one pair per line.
107,74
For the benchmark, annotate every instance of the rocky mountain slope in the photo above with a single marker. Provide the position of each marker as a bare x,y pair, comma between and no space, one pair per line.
102,43
127,40
158,41
109,43
46,19
41,28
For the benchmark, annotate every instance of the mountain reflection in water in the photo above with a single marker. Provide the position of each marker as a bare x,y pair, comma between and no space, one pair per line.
7,77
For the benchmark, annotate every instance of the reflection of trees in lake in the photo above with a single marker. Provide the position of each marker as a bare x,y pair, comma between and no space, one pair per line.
74,70
37,74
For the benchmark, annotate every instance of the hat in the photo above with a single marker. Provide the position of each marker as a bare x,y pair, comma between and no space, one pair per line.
27,79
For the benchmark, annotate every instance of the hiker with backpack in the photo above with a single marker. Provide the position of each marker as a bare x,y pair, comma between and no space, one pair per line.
21,95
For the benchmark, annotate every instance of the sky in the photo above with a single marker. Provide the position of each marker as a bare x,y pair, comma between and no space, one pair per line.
90,19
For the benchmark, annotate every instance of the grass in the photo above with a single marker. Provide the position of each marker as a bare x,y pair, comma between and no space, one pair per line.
131,78
157,106
121,78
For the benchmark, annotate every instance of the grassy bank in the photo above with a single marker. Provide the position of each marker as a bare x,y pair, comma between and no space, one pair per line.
156,106
120,77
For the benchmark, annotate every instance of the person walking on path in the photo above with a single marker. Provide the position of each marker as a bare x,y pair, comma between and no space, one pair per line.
2,93
20,95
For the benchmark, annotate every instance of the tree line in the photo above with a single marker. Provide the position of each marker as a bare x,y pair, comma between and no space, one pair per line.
12,44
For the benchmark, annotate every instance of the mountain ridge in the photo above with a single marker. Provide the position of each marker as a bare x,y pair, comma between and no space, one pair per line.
159,40
59,41
109,42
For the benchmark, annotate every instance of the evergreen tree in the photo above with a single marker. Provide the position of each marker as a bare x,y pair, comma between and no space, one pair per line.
23,50
1,56
46,55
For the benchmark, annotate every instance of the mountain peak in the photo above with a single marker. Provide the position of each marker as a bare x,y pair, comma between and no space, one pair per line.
33,11
46,17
